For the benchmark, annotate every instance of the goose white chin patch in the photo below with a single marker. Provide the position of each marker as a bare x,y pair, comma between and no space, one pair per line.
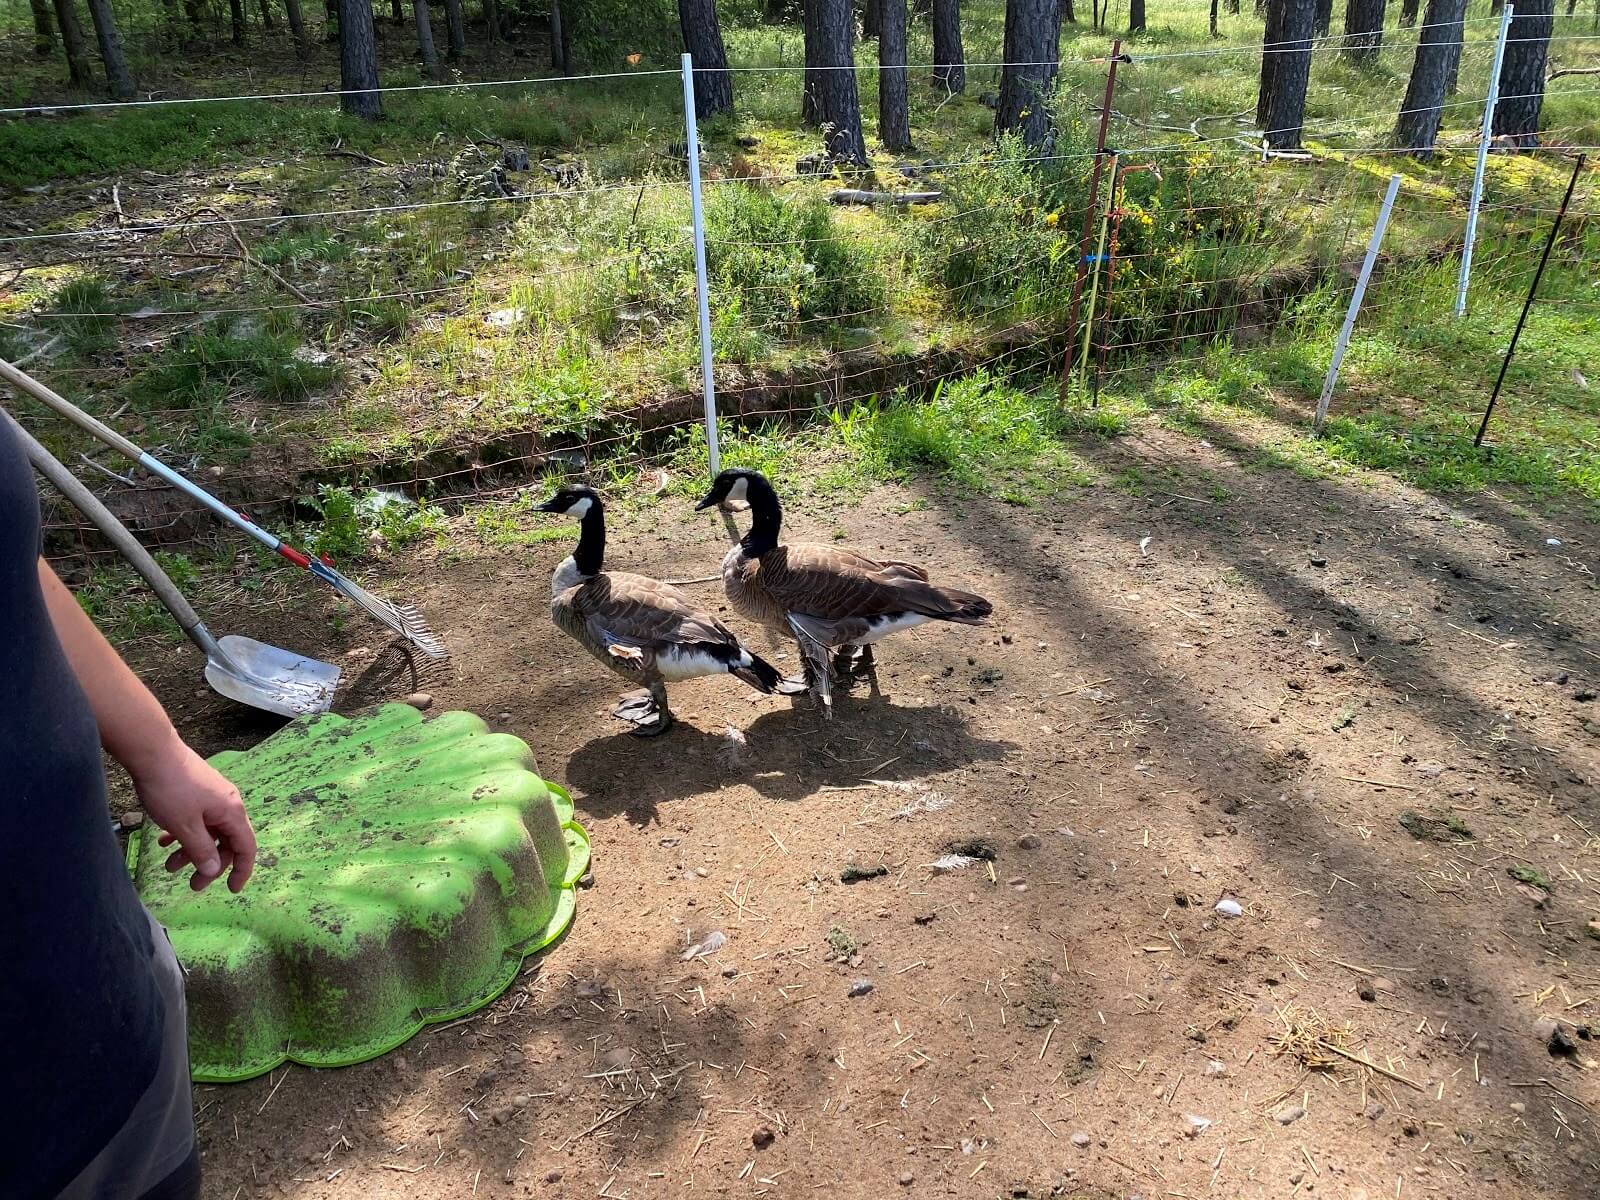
736,494
581,508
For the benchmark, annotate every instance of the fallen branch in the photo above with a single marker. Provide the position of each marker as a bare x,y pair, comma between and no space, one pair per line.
1368,1063
858,196
1572,71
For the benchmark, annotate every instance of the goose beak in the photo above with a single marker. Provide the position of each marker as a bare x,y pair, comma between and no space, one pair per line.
708,502
548,506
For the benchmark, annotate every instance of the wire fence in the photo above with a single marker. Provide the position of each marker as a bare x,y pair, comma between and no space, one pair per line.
454,346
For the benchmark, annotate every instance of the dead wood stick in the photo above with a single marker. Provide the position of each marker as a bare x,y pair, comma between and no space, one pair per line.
1368,1063
603,1121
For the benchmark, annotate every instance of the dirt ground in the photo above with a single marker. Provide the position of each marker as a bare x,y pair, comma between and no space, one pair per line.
1243,707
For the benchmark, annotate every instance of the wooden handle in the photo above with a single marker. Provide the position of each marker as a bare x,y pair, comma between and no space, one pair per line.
24,382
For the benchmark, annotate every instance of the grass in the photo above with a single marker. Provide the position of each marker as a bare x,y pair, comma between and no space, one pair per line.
1238,271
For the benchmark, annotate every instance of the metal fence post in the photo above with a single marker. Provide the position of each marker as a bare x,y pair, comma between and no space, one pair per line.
1355,301
701,286
1483,157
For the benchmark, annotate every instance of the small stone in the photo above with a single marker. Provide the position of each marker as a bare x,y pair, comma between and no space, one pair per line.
420,700
1029,841
907,1178
701,872
1318,561
730,972
1562,1045
131,819
1296,1177
1518,1107
860,987
1373,1111
1216,1069
1081,1140
553,1176
1288,1114
761,1138
1366,991
1230,908
1314,923
586,880
1545,1028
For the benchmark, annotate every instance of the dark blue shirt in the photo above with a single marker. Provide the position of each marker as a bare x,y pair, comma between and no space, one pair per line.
77,996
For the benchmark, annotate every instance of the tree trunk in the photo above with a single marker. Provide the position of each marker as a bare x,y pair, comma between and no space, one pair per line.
105,33
811,77
297,23
1214,32
1418,123
894,113
1270,36
236,16
1516,114
491,21
1135,16
425,47
79,73
1033,31
1068,14
559,40
1452,50
1363,30
834,101
1286,102
397,13
871,26
266,15
44,28
1408,13
949,56
330,24
702,38
358,60
455,28
1324,18
1233,7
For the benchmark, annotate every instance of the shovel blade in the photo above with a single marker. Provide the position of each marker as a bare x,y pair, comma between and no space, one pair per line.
271,678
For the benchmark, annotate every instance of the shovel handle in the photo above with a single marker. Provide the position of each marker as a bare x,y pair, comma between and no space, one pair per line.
114,531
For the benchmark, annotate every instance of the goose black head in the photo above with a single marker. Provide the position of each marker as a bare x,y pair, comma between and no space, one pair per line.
575,501
735,487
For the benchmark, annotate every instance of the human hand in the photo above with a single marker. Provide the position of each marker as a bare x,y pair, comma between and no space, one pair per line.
199,810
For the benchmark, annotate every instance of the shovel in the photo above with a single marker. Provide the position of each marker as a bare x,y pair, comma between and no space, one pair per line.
239,668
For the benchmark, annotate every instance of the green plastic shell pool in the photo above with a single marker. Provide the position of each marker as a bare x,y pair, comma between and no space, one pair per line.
406,867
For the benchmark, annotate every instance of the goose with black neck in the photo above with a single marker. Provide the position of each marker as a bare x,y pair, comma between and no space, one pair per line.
645,630
835,602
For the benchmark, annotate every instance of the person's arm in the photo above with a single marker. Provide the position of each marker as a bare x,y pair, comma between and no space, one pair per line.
183,794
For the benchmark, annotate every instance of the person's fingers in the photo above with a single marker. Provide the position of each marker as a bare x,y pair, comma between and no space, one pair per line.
177,860
200,847
235,833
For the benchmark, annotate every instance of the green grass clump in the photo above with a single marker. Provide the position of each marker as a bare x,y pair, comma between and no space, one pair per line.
357,524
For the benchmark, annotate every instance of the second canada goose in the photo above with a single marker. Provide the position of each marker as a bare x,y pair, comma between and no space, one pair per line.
641,628
835,602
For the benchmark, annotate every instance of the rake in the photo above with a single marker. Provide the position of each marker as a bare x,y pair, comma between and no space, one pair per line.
402,618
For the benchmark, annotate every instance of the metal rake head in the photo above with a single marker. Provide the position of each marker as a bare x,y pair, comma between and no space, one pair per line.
404,619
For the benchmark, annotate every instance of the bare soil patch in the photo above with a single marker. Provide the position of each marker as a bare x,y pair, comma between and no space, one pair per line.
1242,708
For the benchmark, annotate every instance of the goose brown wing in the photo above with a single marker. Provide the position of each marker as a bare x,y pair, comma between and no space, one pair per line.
635,610
836,585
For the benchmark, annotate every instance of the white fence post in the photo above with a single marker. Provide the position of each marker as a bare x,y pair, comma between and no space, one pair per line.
1483,157
701,286
1355,301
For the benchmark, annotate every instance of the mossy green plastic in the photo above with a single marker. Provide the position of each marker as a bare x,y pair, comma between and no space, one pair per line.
405,869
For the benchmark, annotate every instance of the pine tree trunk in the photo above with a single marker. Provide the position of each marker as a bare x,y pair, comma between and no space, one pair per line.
1135,16
836,104
949,56
266,15
1363,30
1418,124
44,28
491,21
1324,18
1516,114
894,112
1214,18
425,47
297,22
702,38
397,13
330,23
1033,30
871,27
1233,7
105,32
560,40
236,17
1067,13
79,72
1271,35
358,60
1286,104
455,29
1452,50
812,78
1408,13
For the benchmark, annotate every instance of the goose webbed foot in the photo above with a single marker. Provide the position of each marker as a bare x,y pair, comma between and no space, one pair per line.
852,664
646,710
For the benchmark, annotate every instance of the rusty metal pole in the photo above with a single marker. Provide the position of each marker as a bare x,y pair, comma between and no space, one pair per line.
1119,195
1089,212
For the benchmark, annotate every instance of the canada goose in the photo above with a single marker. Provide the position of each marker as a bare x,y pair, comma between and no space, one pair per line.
835,602
641,628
